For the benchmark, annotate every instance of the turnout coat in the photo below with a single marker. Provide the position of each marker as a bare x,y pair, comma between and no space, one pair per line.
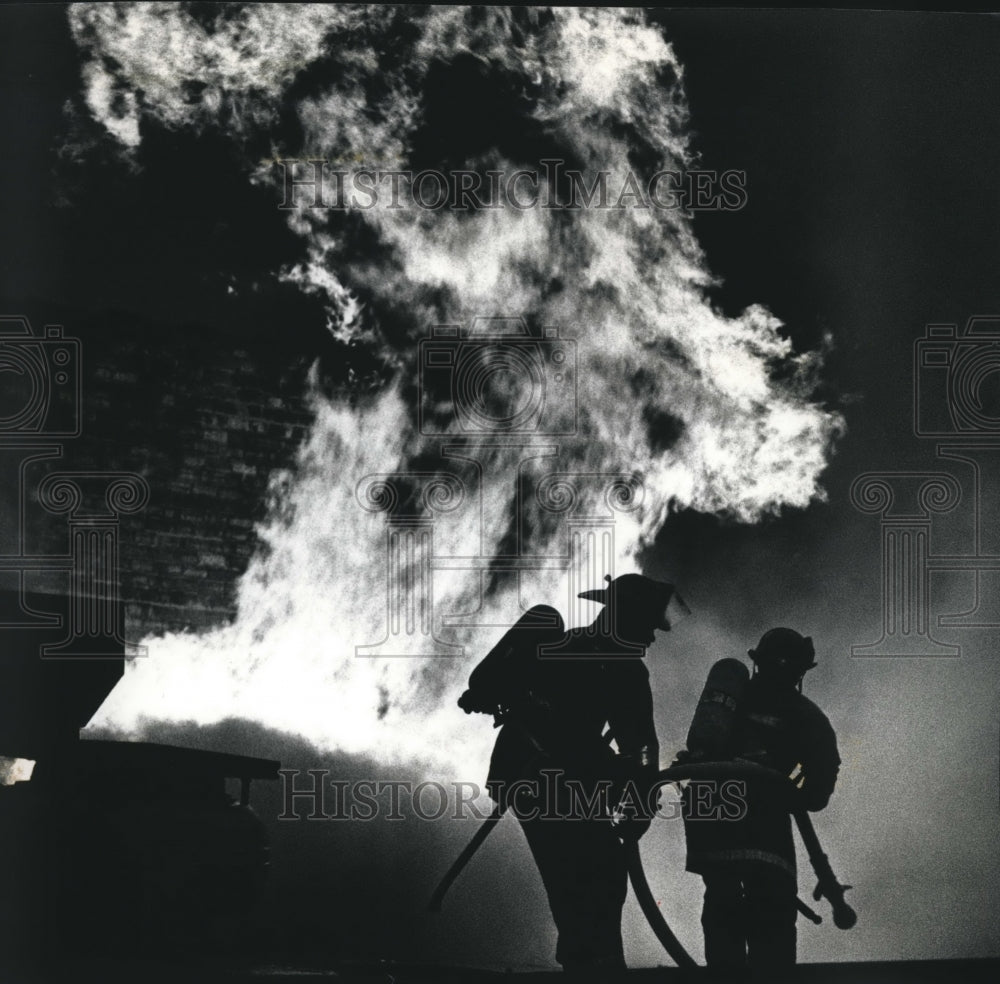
779,728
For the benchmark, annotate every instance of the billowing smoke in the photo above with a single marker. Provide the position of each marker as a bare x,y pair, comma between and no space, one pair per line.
665,402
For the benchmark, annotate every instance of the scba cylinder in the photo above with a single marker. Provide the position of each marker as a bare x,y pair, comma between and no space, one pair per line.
715,716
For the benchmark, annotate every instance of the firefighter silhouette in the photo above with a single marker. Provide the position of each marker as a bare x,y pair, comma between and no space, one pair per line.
553,767
748,862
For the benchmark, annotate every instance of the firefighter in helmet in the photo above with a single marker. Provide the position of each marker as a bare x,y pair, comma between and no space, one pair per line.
553,767
748,863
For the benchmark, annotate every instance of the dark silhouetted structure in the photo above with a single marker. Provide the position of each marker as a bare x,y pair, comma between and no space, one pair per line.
113,846
748,861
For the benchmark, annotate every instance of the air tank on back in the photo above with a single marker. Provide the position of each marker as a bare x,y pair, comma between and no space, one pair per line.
715,715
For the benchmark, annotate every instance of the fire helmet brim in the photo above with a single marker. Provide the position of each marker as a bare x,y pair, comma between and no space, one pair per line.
662,597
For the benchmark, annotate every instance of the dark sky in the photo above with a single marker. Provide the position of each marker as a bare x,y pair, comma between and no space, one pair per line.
871,145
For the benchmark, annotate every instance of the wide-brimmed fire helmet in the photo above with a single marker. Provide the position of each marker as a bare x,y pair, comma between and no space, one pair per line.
784,652
635,593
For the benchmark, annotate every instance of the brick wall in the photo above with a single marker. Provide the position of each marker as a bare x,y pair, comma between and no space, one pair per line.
205,417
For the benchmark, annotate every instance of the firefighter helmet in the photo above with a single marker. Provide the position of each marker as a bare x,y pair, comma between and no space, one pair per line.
637,593
784,652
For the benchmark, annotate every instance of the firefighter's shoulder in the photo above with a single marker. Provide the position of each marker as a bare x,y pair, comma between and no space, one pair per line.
629,671
811,717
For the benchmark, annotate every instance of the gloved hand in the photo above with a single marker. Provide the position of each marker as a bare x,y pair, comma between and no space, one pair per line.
634,812
470,702
631,829
684,756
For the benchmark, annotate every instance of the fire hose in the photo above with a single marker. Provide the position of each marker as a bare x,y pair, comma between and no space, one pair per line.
463,859
844,917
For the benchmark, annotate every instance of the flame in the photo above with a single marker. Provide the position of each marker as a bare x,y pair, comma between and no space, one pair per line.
703,411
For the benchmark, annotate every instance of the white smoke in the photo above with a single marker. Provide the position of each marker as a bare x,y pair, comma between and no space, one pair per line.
628,286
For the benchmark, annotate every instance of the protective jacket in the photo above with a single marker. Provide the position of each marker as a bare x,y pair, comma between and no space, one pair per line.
779,728
588,682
